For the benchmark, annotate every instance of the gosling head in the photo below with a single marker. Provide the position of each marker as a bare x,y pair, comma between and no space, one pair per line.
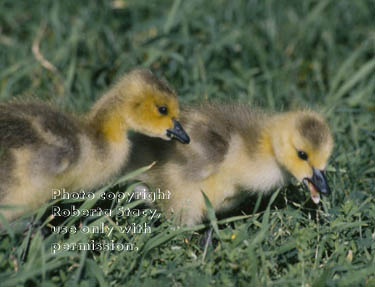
150,106
303,144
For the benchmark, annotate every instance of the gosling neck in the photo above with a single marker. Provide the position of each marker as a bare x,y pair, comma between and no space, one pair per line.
267,172
107,118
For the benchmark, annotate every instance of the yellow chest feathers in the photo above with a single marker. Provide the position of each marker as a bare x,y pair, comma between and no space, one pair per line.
242,171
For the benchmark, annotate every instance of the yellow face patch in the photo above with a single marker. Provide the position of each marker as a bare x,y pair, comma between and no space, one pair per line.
112,128
315,157
298,150
144,116
296,166
139,101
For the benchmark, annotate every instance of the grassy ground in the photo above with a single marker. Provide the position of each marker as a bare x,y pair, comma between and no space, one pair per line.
275,54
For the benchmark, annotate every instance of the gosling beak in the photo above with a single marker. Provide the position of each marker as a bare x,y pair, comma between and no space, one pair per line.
317,184
178,133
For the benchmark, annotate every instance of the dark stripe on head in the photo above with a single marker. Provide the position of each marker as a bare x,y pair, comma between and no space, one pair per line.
314,130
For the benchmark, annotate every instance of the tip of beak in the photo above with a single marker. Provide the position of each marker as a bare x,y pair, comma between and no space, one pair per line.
181,138
313,191
316,199
178,133
317,184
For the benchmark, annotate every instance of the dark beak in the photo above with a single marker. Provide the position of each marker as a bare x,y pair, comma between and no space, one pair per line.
320,181
178,132
317,184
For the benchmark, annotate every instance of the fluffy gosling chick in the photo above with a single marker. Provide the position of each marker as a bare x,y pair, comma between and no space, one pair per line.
234,148
42,148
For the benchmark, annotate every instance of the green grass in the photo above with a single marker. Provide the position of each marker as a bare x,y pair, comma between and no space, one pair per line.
276,54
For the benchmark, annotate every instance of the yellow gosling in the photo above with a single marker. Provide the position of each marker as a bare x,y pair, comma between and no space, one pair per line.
42,148
234,149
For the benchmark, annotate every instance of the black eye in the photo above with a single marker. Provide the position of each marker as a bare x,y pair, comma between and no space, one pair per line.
163,110
302,155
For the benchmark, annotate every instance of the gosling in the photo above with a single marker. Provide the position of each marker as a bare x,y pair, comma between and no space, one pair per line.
234,149
42,148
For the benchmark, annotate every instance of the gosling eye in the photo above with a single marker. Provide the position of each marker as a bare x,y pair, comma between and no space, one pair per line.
163,110
302,155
